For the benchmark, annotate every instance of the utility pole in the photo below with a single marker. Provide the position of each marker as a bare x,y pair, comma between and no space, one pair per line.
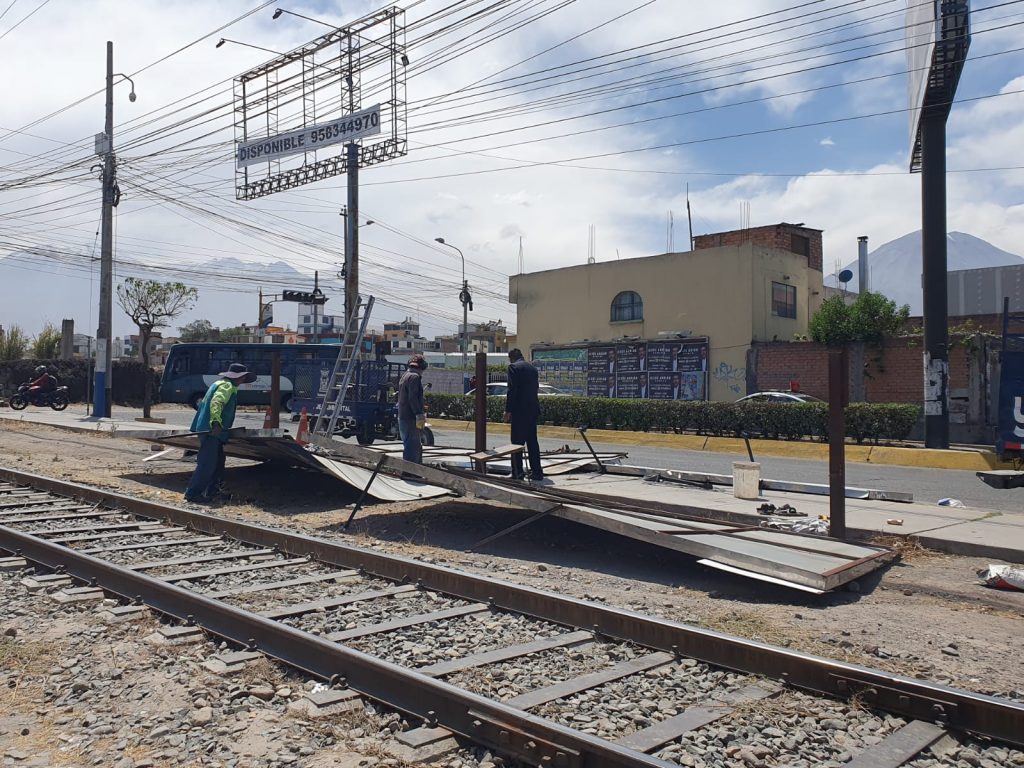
316,310
352,231
104,342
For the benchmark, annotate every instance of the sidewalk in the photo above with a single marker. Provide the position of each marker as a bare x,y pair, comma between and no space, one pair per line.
925,458
962,531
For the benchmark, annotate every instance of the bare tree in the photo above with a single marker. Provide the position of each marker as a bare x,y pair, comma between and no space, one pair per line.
152,304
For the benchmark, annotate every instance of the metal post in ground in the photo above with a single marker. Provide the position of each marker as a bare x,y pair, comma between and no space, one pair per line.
838,374
481,401
275,389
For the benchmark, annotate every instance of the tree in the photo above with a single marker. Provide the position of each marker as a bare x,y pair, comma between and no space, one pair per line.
235,331
197,330
13,343
47,344
152,304
872,319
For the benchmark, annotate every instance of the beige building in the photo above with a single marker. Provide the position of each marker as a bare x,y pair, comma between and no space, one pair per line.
757,284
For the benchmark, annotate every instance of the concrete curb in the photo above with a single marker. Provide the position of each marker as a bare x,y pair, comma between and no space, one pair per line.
930,458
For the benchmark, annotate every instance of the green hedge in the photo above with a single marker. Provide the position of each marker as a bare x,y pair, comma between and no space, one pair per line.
864,421
127,381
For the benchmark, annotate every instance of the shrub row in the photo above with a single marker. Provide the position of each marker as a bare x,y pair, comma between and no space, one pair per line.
864,421
127,379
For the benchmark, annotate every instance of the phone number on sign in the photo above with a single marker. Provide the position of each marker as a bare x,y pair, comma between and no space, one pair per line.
344,127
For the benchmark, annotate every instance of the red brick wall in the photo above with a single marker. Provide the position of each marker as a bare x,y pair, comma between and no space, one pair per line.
775,236
899,378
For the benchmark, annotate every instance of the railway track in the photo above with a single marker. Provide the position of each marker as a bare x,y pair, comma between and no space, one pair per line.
538,677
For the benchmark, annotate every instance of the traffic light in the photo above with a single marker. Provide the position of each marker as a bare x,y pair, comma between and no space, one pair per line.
304,297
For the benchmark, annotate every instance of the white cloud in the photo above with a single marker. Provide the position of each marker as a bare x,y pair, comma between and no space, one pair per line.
549,205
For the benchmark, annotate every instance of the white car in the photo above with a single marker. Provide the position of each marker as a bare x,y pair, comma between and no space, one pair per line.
779,397
500,389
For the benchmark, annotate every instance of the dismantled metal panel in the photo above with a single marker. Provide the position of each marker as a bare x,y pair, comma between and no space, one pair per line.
808,561
275,445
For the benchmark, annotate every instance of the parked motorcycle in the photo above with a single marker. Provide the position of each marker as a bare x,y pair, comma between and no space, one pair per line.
57,399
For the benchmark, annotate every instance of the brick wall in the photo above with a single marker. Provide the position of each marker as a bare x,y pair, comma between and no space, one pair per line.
778,236
897,378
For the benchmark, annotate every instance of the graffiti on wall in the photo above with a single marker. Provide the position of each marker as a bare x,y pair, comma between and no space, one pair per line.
731,376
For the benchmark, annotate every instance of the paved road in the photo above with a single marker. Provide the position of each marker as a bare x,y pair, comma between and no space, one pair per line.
927,485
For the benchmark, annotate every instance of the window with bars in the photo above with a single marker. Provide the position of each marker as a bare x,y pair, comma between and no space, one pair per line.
627,306
784,300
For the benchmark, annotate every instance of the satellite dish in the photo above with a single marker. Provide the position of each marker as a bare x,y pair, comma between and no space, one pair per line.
845,276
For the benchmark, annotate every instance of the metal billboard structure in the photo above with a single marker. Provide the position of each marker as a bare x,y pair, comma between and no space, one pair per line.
938,36
293,112
299,118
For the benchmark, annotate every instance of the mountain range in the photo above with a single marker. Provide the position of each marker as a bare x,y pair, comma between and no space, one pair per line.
895,267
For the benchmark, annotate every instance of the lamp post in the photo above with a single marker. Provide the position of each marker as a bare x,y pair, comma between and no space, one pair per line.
111,194
465,298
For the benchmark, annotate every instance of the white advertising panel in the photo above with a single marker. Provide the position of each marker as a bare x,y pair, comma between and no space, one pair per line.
343,130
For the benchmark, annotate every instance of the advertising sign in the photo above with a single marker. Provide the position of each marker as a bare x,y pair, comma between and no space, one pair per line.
1011,404
655,370
343,130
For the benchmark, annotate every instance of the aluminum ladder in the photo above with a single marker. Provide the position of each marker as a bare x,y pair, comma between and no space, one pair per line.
344,368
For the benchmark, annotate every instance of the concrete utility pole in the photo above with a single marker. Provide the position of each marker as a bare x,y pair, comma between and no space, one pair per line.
104,341
465,298
352,231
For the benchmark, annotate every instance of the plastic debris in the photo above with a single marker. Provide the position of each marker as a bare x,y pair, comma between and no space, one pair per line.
1003,577
950,503
819,527
894,521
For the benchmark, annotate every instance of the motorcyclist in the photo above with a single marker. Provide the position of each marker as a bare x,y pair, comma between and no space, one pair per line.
43,384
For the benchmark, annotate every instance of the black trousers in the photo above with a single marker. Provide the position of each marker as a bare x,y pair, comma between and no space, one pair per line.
524,432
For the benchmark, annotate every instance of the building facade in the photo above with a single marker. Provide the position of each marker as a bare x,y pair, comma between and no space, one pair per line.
734,288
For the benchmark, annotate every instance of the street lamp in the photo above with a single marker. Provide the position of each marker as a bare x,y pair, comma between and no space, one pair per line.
465,298
247,45
402,57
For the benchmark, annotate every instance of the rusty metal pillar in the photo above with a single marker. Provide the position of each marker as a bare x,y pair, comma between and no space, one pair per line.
275,389
838,387
481,401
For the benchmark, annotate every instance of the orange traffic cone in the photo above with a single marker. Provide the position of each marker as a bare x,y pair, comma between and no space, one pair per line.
303,432
268,418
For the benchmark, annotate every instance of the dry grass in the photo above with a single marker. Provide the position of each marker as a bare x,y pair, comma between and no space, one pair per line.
260,671
753,626
908,548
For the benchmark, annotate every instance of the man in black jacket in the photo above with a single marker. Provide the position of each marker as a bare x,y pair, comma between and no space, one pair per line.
522,409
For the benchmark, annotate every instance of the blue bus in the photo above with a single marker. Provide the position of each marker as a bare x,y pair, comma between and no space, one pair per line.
191,368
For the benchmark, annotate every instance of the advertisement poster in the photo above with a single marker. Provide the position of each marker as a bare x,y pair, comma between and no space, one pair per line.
656,370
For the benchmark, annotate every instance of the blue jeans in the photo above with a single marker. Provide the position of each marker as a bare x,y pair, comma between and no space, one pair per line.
209,473
412,447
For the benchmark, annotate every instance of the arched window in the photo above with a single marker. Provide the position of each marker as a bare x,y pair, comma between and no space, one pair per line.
627,306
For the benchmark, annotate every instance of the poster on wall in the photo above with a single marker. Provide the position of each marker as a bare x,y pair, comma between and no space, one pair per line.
657,370
565,369
601,366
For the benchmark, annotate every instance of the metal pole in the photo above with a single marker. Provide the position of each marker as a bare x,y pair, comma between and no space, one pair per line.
863,272
481,401
838,372
352,233
933,281
316,310
104,342
465,315
275,389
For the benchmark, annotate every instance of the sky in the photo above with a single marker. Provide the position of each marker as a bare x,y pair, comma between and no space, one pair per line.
554,129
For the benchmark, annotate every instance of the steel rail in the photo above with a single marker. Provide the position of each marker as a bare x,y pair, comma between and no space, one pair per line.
501,727
990,716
